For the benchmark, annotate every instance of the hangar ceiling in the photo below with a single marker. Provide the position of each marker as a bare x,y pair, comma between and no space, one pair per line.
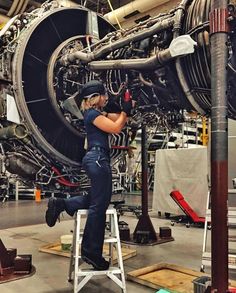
132,10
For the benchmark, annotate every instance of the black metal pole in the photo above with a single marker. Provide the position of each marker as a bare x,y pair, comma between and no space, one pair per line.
144,225
144,172
219,145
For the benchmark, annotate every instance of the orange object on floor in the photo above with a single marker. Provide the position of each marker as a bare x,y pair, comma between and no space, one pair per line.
37,195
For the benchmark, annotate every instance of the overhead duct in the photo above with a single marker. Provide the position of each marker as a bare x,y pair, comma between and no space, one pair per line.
131,9
14,7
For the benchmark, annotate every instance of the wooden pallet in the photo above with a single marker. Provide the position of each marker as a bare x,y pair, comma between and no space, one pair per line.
55,248
163,275
171,277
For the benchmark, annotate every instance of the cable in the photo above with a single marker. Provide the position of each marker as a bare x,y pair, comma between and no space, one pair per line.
109,2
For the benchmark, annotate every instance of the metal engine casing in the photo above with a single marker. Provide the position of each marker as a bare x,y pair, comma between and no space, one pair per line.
33,73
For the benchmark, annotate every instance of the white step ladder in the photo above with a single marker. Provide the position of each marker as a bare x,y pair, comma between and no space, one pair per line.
206,255
112,237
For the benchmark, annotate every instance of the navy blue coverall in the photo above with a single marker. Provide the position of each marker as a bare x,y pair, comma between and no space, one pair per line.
96,163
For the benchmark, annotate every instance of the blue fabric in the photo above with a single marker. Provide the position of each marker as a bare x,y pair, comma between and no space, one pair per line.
75,203
97,166
98,169
95,136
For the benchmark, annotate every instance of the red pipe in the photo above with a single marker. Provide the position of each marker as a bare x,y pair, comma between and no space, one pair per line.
62,180
119,147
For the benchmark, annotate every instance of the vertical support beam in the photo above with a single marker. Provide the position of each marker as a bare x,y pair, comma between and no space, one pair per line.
144,152
219,145
144,224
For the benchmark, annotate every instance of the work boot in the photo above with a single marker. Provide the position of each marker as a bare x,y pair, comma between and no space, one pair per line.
99,263
55,207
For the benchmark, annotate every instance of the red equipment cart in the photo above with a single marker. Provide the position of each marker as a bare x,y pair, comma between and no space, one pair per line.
191,216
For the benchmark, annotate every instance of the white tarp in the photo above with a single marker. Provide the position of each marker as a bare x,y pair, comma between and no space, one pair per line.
185,170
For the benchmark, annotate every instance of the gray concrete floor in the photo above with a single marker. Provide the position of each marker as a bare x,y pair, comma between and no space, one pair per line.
22,226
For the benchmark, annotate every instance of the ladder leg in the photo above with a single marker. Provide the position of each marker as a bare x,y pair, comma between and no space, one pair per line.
119,252
116,280
76,261
72,261
84,281
111,234
205,229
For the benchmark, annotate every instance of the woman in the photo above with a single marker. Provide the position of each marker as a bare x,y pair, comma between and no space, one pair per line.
96,163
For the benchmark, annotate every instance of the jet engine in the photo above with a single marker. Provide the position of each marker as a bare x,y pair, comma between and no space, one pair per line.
40,142
46,56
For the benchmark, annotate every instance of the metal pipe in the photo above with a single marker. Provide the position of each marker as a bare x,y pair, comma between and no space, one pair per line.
13,8
144,151
144,224
219,145
18,131
136,64
19,6
24,6
88,57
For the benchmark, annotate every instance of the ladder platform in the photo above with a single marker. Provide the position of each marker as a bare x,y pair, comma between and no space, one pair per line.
85,272
109,211
106,240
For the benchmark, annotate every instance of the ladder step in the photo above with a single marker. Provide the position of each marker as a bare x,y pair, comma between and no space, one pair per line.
106,240
206,260
231,215
110,211
92,272
111,240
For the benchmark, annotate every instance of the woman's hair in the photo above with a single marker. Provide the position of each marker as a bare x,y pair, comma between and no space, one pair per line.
90,103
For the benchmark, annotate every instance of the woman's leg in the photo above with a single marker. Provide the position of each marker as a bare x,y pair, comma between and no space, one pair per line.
100,195
70,205
76,203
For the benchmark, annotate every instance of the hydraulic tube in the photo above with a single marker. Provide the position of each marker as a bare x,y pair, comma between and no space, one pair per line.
135,64
88,57
180,46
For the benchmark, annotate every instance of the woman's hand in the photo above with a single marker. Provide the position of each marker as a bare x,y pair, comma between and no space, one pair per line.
127,106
